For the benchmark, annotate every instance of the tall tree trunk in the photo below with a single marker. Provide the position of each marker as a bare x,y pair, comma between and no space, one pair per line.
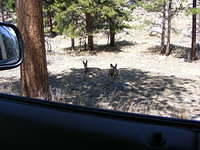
89,29
2,11
108,38
194,22
85,43
34,76
80,43
163,48
112,32
198,28
2,15
51,21
7,14
112,38
72,43
169,19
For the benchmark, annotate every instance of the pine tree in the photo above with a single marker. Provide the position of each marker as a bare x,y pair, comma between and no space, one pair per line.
169,20
87,9
83,18
159,6
69,20
163,27
34,75
116,15
194,23
49,13
167,11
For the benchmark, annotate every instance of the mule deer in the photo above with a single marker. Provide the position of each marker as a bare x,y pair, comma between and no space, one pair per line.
85,64
113,71
91,71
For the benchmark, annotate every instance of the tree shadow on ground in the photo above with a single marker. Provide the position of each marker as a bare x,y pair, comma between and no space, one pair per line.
116,49
100,48
177,51
133,91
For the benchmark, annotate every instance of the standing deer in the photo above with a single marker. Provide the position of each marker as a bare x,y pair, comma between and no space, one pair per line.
91,71
85,64
113,71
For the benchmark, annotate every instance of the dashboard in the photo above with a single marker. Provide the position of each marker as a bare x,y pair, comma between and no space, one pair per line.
36,122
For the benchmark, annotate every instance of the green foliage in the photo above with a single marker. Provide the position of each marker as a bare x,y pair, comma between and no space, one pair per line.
49,15
148,22
10,5
71,21
157,5
69,18
7,5
152,5
115,14
193,11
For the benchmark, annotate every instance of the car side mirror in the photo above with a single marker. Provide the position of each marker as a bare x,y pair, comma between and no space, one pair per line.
11,46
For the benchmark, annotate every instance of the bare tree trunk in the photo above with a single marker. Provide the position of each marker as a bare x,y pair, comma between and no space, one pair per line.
73,43
112,32
168,49
112,38
80,43
85,43
198,28
51,21
2,15
2,11
89,29
7,14
108,38
34,76
194,22
163,48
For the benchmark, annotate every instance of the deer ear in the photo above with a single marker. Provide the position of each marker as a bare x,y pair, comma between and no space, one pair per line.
111,65
86,61
115,65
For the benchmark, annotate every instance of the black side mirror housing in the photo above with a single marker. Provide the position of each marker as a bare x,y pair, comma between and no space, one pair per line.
11,46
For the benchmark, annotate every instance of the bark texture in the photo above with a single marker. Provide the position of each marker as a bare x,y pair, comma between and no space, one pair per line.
194,36
34,75
89,29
